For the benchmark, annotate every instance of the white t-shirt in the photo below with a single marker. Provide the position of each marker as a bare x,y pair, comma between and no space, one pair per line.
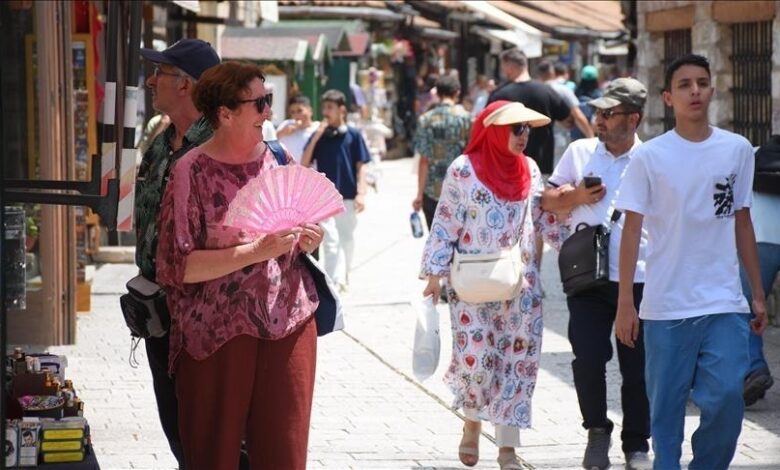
564,92
688,193
269,132
296,141
590,157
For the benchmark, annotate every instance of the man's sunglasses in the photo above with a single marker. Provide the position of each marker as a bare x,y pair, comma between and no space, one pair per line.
519,129
261,102
608,113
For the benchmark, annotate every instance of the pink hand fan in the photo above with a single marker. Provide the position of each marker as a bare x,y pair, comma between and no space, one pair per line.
282,198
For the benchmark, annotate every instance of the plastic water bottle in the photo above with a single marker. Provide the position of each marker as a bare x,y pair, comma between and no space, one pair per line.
417,229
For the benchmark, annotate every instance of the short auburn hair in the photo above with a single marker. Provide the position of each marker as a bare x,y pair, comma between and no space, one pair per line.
222,85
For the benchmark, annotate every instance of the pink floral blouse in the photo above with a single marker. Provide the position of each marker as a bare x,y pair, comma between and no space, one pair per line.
267,300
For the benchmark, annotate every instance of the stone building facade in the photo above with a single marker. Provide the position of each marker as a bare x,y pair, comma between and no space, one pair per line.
668,28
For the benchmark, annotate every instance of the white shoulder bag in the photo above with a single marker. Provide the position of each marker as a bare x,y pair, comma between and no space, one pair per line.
489,277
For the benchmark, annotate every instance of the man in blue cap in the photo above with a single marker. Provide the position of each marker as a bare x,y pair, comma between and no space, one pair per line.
176,69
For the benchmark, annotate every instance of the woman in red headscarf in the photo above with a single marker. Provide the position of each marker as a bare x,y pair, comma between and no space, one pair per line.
487,217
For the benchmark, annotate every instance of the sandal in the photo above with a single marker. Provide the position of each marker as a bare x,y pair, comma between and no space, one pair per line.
468,451
507,461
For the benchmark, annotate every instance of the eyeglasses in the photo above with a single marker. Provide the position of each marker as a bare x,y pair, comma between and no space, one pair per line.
519,129
158,71
608,113
261,102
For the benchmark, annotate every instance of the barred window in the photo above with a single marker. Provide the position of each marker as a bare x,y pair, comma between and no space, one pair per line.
752,86
677,43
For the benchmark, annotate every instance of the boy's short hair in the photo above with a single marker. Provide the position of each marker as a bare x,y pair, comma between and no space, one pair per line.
689,59
448,86
299,99
560,68
515,56
545,67
336,97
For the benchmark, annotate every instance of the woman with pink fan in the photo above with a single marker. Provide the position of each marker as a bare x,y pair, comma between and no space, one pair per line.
243,337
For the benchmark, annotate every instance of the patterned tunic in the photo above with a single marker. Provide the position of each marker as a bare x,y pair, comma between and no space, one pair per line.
267,300
496,345
442,134
150,186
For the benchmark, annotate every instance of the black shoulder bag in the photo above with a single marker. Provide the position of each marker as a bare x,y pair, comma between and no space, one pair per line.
584,257
767,171
145,309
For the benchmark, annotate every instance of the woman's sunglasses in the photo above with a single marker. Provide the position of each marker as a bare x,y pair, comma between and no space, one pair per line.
519,129
261,102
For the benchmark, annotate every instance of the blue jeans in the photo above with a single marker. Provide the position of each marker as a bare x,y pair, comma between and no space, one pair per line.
708,354
769,265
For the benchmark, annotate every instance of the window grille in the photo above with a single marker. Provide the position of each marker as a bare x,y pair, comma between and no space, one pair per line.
752,86
677,43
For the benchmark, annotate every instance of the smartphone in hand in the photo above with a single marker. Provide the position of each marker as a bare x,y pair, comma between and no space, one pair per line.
591,181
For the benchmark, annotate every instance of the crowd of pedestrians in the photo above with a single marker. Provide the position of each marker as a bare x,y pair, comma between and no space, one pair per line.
679,334
493,189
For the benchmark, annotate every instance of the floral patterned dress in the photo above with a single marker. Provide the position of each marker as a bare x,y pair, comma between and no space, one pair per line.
496,345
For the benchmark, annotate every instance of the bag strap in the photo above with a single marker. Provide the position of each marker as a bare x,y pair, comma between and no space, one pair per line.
615,216
276,148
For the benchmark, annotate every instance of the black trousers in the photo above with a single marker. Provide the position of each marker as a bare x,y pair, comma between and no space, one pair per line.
429,209
165,392
591,318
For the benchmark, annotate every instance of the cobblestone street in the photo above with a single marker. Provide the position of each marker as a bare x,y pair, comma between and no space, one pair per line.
369,411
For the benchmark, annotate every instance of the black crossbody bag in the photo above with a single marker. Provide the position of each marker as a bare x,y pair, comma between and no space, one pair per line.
145,308
584,257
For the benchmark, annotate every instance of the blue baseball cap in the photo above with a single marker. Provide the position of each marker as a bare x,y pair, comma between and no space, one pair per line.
194,56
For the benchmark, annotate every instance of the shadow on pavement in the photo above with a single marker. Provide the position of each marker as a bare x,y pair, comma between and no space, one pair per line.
764,414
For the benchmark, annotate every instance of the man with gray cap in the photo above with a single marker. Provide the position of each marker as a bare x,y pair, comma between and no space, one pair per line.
176,69
584,187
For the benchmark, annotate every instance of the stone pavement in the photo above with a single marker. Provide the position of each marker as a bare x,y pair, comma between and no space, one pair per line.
369,411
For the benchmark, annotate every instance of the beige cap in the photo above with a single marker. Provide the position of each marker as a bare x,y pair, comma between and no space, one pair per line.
515,113
622,91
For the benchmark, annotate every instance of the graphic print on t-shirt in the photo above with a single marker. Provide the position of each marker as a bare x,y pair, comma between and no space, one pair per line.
724,196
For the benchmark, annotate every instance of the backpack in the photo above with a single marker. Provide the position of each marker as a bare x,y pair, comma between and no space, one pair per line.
767,176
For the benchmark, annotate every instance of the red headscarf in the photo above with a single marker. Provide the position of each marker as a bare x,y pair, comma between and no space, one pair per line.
506,174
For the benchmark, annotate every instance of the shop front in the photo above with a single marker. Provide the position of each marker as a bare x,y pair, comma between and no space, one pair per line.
48,125
49,138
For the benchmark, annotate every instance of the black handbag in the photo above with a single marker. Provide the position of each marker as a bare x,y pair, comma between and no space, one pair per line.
584,258
145,308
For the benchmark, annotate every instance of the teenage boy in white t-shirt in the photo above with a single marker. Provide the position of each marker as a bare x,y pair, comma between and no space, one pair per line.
691,189
296,131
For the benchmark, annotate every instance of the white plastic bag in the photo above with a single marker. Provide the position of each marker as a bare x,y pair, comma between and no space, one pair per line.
427,342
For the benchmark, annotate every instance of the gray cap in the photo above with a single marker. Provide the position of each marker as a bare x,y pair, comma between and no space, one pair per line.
622,91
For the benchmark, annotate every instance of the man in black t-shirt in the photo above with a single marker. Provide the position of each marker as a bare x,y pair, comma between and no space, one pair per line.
537,96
